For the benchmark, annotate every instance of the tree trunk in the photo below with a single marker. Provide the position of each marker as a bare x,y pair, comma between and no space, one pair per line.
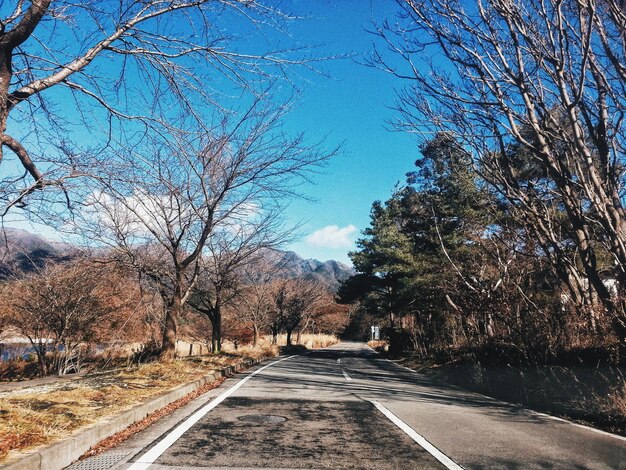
216,337
40,350
216,326
168,347
255,339
5,80
289,337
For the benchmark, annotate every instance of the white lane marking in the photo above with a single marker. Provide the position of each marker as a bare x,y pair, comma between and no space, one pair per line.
431,449
345,374
506,403
149,457
588,428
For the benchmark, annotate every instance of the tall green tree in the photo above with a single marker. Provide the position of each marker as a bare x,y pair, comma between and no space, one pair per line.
423,242
384,261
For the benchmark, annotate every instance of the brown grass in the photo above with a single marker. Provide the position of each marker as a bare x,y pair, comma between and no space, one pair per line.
318,341
378,345
38,415
265,348
617,401
116,439
309,341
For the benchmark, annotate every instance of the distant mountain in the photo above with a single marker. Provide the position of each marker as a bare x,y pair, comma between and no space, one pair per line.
22,251
289,265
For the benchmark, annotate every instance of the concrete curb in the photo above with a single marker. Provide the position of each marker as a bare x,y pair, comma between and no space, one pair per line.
63,453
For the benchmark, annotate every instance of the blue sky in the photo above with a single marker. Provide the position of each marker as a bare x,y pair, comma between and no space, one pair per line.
351,107
348,105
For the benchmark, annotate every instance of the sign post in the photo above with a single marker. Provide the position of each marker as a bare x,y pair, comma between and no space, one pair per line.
375,333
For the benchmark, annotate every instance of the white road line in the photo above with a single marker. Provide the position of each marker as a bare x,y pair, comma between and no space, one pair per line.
149,457
431,449
345,374
582,426
506,403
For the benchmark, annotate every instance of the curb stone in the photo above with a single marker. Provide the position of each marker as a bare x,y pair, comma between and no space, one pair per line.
61,454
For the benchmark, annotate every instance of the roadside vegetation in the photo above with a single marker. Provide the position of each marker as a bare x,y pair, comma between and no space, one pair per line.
500,261
82,315
167,192
40,413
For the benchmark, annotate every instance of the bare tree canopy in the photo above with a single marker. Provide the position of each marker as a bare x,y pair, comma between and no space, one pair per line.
61,307
535,90
198,201
295,302
254,303
227,253
79,78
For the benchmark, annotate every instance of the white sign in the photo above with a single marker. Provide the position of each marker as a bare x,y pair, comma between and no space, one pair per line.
375,333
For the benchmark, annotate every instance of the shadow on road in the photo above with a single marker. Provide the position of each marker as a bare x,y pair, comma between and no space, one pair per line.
374,378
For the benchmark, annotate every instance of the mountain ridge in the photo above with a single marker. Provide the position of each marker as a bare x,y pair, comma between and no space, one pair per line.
23,251
291,265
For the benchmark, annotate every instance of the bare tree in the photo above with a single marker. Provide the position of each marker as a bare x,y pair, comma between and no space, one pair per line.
255,303
230,249
164,209
60,307
296,300
530,86
74,75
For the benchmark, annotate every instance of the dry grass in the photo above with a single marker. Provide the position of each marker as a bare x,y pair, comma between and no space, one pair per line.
618,401
265,348
378,345
317,341
138,426
310,341
613,408
38,415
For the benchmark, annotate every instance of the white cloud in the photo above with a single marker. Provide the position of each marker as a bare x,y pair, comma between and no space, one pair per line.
244,219
136,217
332,236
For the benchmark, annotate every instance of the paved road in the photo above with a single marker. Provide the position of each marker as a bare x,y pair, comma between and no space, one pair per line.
345,407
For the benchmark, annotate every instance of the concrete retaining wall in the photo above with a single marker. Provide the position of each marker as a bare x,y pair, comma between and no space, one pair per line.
63,453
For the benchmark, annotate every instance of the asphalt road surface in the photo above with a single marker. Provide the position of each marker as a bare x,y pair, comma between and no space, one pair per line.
346,407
